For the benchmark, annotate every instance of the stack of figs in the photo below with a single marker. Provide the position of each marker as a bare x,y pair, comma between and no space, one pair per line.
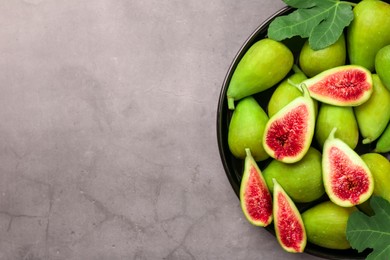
324,131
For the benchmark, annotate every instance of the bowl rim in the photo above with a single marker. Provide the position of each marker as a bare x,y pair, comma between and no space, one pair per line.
222,112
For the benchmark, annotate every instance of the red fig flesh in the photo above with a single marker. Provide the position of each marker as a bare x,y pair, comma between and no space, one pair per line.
289,132
255,198
347,179
289,228
348,85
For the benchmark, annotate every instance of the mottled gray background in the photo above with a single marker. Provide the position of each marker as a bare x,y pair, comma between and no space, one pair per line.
107,130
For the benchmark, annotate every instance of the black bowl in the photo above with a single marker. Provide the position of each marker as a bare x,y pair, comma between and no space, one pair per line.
234,167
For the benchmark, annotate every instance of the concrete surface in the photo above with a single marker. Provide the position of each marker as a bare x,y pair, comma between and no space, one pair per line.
107,130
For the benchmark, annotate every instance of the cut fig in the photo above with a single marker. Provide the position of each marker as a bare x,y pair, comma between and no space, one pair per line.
289,228
289,132
348,85
255,197
347,179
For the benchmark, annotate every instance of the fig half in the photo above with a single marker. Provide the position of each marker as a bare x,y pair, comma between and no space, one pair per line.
255,197
347,85
289,228
347,179
289,132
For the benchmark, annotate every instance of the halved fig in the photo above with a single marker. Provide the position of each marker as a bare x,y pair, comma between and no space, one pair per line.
347,179
255,197
289,228
289,132
347,85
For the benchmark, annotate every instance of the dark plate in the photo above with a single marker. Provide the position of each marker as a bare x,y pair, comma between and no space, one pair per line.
234,167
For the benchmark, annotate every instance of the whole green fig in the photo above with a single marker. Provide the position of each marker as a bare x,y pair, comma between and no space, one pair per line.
326,225
313,62
374,115
368,32
343,118
246,129
382,65
383,143
380,169
301,180
264,64
285,92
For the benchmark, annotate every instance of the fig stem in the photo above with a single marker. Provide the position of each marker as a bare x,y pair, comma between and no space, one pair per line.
296,69
304,90
332,133
350,3
230,103
248,152
294,84
367,140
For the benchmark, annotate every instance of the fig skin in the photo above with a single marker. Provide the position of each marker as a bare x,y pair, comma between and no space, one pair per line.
383,143
347,179
380,170
313,62
382,65
285,93
343,118
292,238
326,225
301,180
264,64
246,129
368,32
374,115
258,197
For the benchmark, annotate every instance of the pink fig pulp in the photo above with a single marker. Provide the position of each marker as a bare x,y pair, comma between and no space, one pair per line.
255,197
347,85
347,179
289,132
289,227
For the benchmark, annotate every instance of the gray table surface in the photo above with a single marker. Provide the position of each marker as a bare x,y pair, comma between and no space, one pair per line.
107,130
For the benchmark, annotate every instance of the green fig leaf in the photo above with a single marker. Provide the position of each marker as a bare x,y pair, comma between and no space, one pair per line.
371,232
329,31
300,3
322,21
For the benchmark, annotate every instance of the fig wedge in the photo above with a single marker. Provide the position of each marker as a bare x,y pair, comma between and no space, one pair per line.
347,179
289,228
255,197
289,132
348,85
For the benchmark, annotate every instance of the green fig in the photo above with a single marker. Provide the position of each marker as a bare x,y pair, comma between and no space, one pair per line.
382,65
326,225
289,133
374,115
313,62
368,32
301,180
343,118
380,169
246,129
264,64
255,198
289,228
285,93
383,143
347,179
